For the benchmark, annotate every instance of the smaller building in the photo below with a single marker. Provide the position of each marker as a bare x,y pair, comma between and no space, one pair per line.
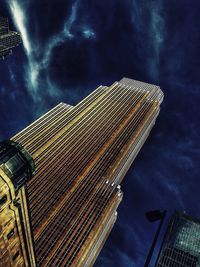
181,243
8,39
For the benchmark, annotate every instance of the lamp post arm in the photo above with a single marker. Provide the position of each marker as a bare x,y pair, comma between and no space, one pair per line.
155,240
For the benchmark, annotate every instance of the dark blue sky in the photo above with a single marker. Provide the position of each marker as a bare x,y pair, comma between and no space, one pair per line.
71,47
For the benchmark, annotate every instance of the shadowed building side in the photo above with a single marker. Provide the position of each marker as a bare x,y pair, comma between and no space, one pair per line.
181,244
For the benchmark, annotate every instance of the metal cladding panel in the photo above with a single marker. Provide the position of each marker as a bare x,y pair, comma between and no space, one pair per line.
8,39
3,30
4,52
81,155
4,22
181,244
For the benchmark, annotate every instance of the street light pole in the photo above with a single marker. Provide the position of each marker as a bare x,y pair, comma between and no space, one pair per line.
155,239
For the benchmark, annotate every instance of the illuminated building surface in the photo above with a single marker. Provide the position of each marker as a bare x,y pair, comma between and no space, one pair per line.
81,155
8,39
181,245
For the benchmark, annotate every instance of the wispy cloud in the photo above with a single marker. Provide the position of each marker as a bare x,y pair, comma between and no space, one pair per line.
122,258
154,32
174,189
88,33
157,36
67,33
157,27
34,65
18,11
20,21
12,75
60,37
69,23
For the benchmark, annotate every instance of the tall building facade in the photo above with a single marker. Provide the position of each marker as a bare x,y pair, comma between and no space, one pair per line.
181,244
8,39
81,154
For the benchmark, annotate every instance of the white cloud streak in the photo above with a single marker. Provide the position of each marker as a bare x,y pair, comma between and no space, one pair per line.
20,21
35,65
32,68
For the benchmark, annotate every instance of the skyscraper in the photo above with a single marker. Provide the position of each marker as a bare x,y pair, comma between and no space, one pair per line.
8,39
181,244
81,154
